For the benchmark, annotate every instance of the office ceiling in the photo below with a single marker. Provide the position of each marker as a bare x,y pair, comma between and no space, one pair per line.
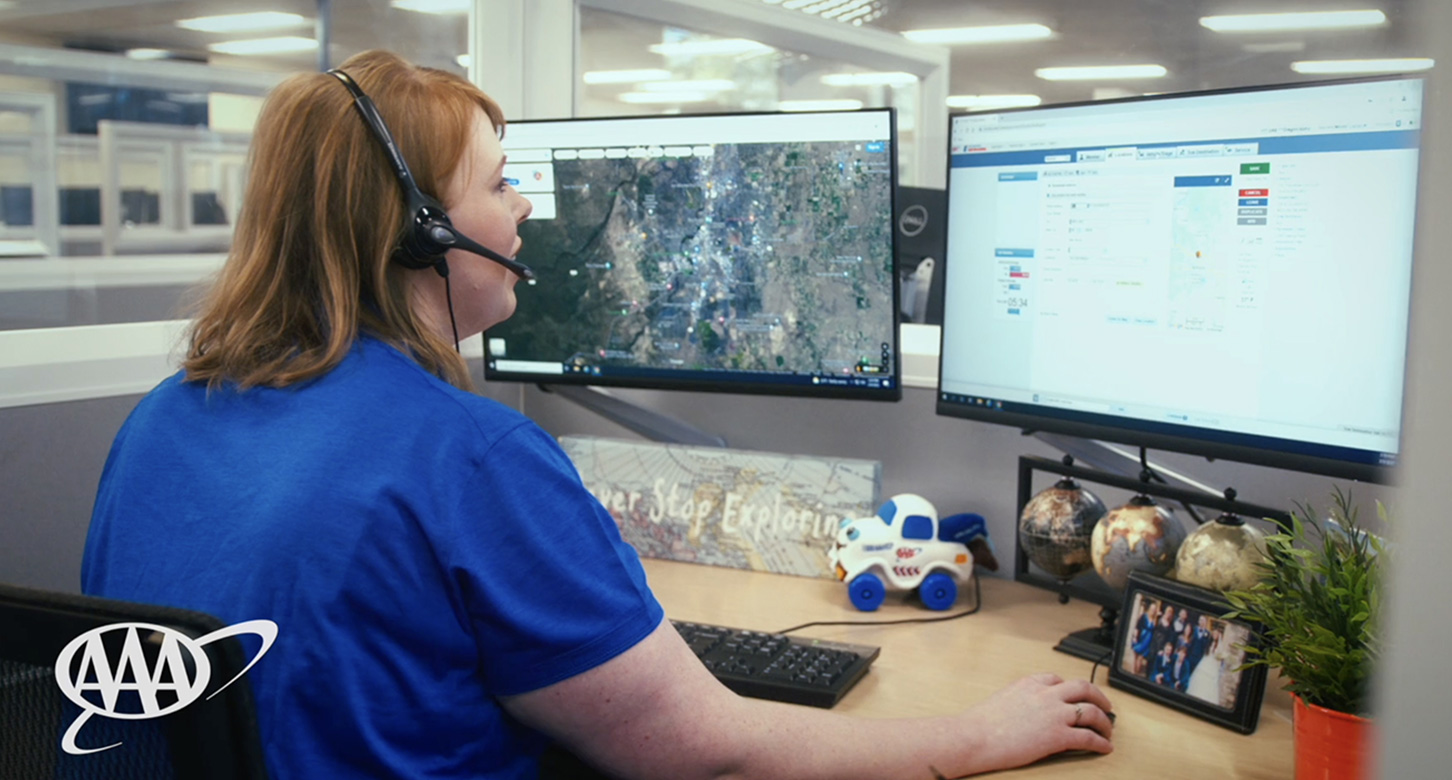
1088,32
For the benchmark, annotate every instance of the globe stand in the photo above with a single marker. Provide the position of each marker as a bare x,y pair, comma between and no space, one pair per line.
1092,644
1097,643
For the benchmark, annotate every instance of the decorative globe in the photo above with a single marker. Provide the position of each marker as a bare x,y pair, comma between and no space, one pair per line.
1055,528
1139,536
1222,555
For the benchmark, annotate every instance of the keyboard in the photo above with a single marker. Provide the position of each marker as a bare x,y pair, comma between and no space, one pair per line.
792,669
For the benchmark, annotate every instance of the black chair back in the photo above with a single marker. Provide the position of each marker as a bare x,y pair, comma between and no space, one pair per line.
212,738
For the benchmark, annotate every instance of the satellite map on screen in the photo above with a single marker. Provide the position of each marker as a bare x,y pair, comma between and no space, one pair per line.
751,257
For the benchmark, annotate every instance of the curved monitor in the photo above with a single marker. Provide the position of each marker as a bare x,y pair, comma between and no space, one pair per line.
1224,274
745,253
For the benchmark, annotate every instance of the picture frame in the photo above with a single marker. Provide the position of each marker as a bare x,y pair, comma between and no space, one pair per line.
1193,667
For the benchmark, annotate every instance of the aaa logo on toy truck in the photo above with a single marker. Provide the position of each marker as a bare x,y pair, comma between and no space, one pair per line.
903,547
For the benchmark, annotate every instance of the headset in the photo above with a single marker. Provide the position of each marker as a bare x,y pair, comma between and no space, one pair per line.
430,232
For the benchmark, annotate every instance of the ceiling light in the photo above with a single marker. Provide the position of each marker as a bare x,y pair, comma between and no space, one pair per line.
854,11
624,76
819,105
839,7
147,54
986,102
664,97
888,79
262,20
265,45
1000,33
434,6
1102,72
698,85
1312,20
716,46
1363,66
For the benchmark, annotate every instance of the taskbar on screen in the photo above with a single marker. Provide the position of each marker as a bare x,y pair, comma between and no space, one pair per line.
1163,434
866,378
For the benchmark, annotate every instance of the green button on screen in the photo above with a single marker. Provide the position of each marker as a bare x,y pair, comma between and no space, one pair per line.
1263,167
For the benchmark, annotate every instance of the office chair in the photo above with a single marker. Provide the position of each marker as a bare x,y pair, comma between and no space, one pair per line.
209,738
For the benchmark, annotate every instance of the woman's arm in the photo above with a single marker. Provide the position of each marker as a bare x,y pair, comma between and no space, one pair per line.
656,712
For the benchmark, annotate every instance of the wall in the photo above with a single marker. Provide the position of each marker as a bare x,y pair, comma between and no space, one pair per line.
50,462
51,458
959,465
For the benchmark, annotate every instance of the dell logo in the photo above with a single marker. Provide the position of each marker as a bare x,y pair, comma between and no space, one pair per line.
914,218
127,685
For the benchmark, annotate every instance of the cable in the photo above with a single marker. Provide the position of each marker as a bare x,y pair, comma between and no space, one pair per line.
977,604
449,296
1093,670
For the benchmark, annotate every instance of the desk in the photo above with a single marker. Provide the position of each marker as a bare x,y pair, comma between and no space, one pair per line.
938,668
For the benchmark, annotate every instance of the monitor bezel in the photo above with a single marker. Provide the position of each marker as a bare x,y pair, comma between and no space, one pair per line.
766,386
1167,436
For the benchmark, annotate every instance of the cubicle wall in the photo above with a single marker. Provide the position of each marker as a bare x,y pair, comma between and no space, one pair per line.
28,206
133,188
51,457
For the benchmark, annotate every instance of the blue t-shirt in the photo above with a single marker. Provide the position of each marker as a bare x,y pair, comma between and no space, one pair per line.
421,549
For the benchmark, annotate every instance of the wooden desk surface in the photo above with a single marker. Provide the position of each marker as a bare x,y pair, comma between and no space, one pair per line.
938,668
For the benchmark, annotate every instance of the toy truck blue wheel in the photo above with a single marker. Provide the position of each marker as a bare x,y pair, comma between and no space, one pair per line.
938,591
867,592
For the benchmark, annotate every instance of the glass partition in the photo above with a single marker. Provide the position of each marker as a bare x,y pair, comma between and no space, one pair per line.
190,195
27,176
104,227
149,200
631,66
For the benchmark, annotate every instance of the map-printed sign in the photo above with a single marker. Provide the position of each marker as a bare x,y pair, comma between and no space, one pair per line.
745,510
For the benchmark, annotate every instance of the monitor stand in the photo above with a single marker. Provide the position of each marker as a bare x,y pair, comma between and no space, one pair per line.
650,424
1115,461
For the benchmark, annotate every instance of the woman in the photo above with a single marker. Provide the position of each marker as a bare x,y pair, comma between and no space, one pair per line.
1205,678
448,595
1143,637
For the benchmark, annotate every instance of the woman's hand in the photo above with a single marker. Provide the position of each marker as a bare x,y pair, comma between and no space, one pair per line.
1038,716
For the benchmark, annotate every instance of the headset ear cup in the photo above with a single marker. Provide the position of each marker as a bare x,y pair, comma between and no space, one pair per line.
417,249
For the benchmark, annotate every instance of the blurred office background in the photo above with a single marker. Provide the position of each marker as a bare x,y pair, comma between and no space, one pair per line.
123,134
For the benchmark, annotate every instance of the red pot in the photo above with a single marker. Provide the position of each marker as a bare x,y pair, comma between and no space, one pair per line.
1332,745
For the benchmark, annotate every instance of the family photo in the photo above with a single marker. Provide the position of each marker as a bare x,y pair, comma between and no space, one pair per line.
1185,650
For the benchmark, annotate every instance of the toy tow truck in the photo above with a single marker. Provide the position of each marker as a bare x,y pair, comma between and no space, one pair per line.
904,546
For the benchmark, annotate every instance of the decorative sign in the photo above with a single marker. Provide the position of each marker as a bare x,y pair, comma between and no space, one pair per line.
745,510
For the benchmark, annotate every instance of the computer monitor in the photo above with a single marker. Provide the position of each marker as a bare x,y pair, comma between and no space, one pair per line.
743,253
80,205
1225,274
207,209
16,206
140,207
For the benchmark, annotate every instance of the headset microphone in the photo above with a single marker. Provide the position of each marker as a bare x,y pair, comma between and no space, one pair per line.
430,232
440,233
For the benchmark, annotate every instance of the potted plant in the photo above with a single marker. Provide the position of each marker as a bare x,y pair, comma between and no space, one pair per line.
1318,604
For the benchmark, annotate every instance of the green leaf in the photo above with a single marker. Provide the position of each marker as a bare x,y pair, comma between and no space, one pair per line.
1317,604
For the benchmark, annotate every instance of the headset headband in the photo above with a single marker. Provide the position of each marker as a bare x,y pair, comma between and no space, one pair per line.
431,233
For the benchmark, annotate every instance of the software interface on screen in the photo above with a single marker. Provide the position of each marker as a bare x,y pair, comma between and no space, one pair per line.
730,252
1232,267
